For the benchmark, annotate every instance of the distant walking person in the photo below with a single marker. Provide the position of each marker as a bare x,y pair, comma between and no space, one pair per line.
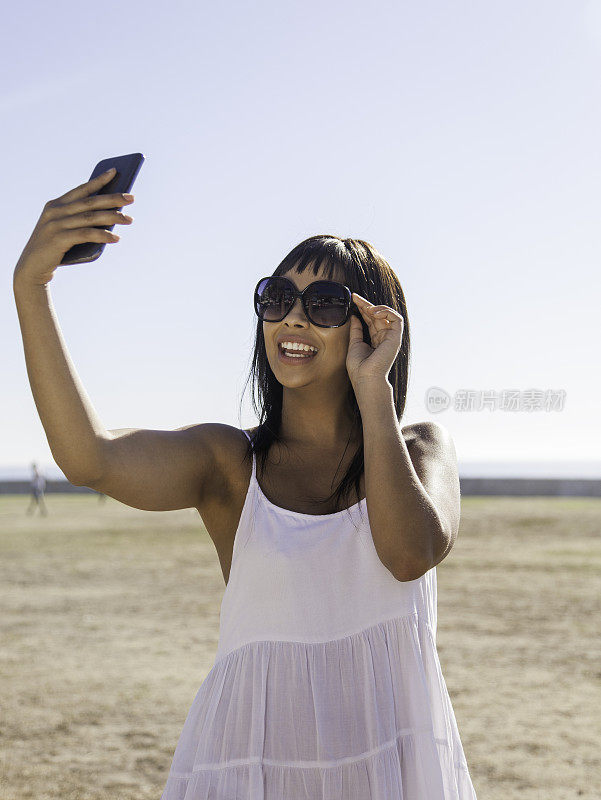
38,484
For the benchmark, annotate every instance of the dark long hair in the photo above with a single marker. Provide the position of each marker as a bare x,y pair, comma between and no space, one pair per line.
366,272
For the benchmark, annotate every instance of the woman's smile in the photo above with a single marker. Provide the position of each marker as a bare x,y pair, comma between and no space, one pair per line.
298,358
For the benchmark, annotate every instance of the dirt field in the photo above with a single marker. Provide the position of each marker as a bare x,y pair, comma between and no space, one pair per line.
109,624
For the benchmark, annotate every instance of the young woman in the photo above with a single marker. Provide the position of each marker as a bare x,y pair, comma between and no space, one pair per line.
326,683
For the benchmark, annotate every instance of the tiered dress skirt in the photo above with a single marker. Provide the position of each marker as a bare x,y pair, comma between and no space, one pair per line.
364,717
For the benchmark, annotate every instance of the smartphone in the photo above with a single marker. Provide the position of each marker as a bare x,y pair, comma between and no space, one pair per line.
127,171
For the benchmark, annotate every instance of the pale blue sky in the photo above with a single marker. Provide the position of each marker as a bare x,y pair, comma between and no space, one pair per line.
462,140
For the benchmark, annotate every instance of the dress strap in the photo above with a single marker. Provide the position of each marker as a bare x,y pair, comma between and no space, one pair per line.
253,474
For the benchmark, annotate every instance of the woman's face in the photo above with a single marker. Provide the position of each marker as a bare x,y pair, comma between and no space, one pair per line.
329,363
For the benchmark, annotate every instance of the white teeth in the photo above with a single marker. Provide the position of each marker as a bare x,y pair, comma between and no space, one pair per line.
303,350
297,346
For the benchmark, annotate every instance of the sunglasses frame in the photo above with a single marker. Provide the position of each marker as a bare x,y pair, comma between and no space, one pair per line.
351,307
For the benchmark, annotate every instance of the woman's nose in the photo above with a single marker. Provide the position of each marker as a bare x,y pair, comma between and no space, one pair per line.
297,311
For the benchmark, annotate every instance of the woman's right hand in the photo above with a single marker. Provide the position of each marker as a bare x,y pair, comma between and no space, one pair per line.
69,220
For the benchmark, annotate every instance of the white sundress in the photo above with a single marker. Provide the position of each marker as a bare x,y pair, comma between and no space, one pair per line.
326,684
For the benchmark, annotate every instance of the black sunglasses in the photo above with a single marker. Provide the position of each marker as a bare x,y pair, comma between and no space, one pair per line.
327,304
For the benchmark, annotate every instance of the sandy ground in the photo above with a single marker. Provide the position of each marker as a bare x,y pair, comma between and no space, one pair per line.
109,624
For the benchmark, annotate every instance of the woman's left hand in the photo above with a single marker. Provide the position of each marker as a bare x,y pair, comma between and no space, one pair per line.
370,364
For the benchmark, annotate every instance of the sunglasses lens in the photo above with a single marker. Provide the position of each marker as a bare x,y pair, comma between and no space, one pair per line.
326,301
327,304
274,299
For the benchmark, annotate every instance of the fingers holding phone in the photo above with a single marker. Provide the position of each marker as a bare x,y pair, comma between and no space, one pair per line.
78,209
69,220
75,227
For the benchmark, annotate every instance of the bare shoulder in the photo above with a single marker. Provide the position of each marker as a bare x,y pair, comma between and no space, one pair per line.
430,443
428,433
229,446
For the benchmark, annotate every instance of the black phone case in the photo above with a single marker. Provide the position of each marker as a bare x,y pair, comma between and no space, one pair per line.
127,168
